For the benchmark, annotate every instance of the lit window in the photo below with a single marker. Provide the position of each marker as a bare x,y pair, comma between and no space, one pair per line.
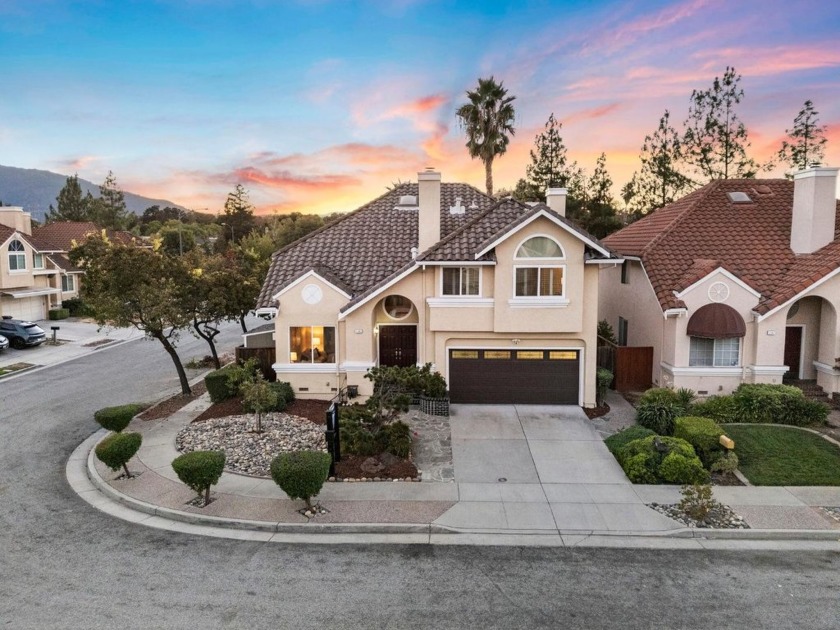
543,277
714,352
312,344
17,256
460,280
68,283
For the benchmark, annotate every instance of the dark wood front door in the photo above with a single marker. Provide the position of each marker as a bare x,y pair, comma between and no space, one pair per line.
793,350
398,345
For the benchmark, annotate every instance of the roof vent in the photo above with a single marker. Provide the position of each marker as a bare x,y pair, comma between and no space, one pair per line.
739,197
458,208
763,189
407,202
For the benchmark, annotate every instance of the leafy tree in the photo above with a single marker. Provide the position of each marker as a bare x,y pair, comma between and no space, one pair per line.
239,214
577,200
128,285
108,210
805,144
549,167
660,181
715,140
162,215
71,204
178,238
601,217
488,122
258,395
205,296
279,231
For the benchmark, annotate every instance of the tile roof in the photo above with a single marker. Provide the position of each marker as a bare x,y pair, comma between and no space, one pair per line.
681,243
62,262
60,235
6,232
367,246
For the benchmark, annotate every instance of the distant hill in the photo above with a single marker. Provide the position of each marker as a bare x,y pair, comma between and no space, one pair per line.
35,190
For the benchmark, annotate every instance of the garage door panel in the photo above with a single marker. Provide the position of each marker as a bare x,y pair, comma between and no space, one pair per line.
516,376
27,309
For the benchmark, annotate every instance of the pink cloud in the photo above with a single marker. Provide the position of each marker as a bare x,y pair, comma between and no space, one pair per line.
756,61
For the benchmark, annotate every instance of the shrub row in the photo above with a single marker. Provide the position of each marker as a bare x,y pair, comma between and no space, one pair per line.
77,307
775,404
59,313
226,382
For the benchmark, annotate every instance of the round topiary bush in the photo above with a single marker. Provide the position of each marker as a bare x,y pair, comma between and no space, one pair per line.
117,418
199,470
301,474
116,449
657,459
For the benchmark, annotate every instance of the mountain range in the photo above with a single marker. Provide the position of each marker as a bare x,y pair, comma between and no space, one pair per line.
35,190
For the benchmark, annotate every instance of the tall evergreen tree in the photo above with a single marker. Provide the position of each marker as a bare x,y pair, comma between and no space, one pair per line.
549,167
109,211
239,214
715,139
487,120
805,144
660,181
71,204
601,218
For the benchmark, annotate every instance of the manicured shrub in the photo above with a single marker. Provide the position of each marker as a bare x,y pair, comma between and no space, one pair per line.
604,378
59,313
285,393
657,459
77,308
117,418
657,409
777,404
301,474
721,409
200,470
617,441
726,464
218,386
117,449
703,434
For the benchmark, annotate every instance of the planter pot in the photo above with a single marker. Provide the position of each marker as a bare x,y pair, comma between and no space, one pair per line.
434,406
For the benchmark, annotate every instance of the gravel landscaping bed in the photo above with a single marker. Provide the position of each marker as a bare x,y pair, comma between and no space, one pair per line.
247,452
721,517
832,512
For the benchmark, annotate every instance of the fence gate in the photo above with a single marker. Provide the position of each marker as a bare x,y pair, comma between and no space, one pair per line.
633,368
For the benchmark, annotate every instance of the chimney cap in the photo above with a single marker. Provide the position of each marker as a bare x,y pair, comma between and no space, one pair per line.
551,192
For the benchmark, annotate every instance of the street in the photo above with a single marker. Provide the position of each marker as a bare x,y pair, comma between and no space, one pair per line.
64,564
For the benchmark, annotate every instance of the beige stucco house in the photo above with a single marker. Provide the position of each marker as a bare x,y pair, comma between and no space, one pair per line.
737,282
500,296
35,275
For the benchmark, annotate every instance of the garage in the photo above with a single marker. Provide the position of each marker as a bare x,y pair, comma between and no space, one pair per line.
528,376
23,305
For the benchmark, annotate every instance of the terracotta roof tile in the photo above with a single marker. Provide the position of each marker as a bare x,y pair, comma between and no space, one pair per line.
59,236
679,244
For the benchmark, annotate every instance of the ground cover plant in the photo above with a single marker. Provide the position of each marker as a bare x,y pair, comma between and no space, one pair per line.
785,456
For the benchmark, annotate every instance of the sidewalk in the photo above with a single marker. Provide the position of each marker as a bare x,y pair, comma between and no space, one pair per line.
76,337
574,497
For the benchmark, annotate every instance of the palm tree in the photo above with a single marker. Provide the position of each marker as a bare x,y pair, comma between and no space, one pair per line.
488,121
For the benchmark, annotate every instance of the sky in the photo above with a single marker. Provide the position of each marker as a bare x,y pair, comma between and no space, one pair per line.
319,105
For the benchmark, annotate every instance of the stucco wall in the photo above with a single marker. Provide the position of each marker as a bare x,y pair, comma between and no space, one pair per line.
15,279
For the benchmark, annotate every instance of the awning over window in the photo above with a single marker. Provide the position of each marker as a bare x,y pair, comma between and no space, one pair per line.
716,321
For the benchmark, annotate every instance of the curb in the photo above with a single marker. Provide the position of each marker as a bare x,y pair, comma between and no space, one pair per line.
219,526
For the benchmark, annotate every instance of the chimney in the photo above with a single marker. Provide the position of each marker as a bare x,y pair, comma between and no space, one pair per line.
814,209
429,214
555,198
15,218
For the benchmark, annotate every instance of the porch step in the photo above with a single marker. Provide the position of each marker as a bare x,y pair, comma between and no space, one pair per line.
811,390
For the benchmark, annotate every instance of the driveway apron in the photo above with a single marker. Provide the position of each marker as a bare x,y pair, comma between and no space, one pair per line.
540,467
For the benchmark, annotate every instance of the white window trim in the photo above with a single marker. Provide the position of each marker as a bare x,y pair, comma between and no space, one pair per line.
701,370
16,254
318,368
302,367
717,367
462,296
467,301
391,317
549,237
524,299
35,259
69,278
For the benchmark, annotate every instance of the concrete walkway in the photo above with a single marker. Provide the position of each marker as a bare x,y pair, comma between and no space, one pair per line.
562,487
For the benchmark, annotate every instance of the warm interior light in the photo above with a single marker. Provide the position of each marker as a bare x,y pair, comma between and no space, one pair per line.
316,341
293,357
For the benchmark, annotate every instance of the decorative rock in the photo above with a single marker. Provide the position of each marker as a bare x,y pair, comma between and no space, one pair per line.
721,517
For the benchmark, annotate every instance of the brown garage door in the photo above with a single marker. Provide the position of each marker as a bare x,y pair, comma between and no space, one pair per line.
541,377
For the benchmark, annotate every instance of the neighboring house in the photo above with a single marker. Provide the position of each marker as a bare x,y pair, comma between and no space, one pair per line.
737,282
500,296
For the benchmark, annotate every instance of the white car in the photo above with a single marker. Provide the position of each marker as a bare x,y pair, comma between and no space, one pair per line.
4,343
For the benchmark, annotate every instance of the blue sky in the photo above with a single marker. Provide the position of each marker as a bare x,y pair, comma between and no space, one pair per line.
318,105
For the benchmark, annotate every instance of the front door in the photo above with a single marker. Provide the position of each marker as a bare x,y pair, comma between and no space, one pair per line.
793,350
398,345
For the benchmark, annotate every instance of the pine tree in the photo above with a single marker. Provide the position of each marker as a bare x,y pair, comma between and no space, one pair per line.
660,181
549,167
601,217
109,210
239,214
805,144
715,140
72,206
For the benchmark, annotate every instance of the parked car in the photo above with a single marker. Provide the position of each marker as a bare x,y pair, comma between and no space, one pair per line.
22,334
4,343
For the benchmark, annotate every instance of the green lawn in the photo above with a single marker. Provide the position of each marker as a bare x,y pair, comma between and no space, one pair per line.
785,456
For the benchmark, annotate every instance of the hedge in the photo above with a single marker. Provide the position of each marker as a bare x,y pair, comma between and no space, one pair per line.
657,459
301,474
199,470
218,385
766,403
59,313
117,449
117,418
703,434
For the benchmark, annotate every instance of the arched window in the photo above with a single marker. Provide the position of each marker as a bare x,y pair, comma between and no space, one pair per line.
537,268
17,256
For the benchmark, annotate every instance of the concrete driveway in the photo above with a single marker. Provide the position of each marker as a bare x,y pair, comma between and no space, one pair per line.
535,467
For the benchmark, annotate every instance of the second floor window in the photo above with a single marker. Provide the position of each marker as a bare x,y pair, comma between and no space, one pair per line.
539,269
17,256
460,281
68,283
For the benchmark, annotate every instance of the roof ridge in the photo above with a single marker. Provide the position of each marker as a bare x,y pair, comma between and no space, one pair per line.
460,230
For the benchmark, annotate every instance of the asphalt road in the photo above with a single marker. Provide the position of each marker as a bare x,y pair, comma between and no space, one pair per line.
63,564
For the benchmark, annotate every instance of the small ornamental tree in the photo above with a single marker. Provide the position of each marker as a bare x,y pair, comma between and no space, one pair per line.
117,418
258,397
117,449
199,470
301,474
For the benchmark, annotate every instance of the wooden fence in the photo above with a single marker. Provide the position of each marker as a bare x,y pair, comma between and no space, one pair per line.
265,359
631,366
